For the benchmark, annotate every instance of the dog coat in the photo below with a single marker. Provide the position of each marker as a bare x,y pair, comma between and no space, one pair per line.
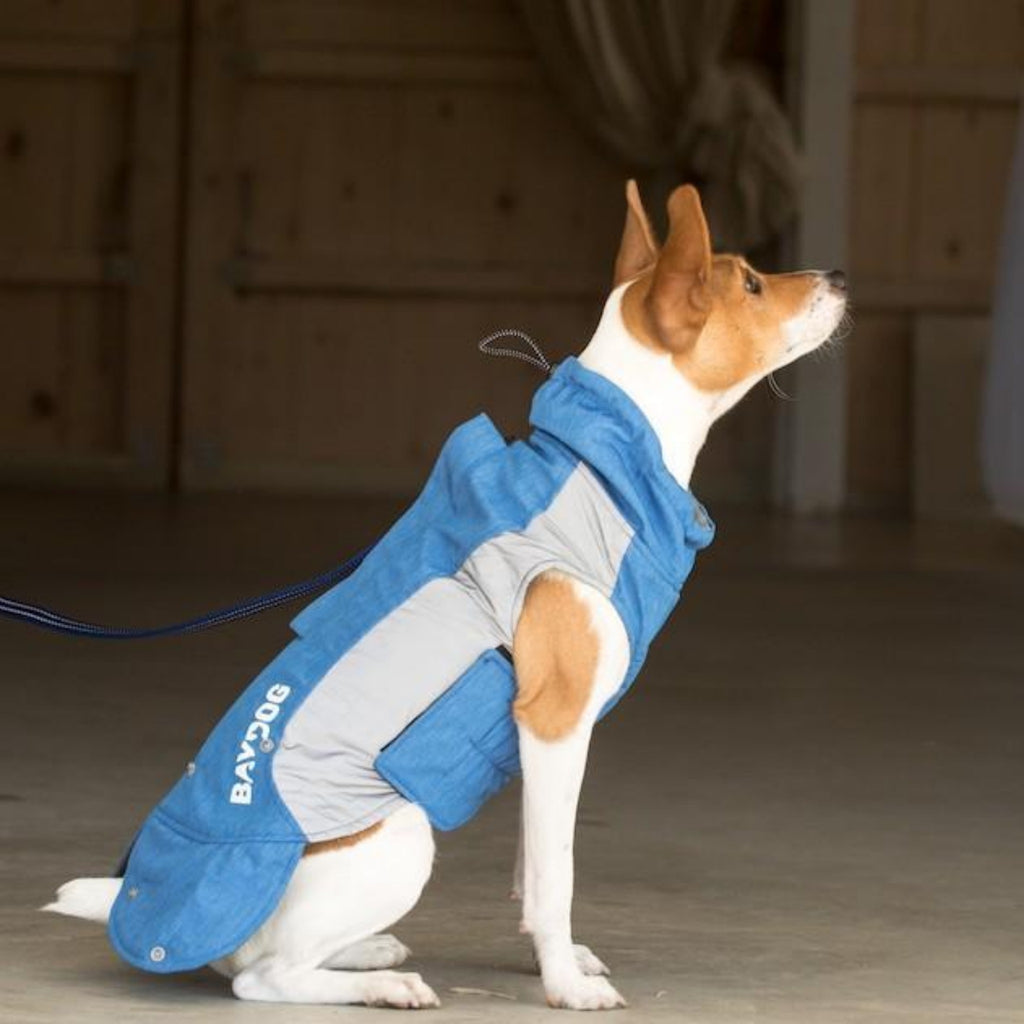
395,687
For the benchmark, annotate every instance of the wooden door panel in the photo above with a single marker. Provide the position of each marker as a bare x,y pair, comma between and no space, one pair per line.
88,238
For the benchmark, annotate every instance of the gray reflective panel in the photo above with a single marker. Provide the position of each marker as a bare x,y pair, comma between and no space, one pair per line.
323,768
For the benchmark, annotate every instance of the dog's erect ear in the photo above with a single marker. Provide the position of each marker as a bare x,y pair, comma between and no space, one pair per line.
679,299
638,249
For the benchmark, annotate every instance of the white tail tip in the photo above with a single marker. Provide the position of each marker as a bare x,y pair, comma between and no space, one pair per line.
89,898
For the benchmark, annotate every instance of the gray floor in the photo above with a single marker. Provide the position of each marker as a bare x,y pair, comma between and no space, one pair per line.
809,809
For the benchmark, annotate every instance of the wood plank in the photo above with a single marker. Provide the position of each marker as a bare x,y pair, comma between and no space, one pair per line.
35,135
939,84
92,362
347,196
471,189
97,182
63,469
85,247
967,295
153,222
76,19
303,187
881,190
212,233
983,35
392,68
30,343
888,31
64,268
964,165
449,25
58,56
426,279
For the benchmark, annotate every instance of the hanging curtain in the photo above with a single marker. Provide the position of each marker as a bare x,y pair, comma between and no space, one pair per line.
646,79
1002,431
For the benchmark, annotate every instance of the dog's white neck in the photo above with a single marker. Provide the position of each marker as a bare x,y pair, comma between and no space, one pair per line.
679,414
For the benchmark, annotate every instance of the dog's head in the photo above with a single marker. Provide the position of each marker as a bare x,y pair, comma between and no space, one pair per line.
719,322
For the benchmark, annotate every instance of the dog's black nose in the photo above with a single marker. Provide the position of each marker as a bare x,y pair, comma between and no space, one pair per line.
837,279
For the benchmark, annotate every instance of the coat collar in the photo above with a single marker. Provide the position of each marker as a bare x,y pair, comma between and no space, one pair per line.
603,427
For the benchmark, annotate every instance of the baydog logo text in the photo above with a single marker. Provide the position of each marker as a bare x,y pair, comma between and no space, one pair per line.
256,738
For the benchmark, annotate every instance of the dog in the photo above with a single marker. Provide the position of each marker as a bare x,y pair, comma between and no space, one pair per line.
496,622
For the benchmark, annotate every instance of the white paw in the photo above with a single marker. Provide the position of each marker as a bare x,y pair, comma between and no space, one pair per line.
580,992
404,991
371,954
587,962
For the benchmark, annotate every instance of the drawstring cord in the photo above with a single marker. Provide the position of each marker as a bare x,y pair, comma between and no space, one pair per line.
537,358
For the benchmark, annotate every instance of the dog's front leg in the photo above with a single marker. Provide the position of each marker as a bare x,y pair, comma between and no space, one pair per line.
552,775
570,652
587,961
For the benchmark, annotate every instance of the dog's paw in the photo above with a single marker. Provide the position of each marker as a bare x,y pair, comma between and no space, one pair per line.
403,991
582,992
588,962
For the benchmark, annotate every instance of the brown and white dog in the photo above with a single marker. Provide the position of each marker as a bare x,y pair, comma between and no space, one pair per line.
685,334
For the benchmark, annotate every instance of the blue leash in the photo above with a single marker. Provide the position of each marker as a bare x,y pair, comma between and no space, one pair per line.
35,615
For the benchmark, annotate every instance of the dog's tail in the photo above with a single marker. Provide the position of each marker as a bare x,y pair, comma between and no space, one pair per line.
89,898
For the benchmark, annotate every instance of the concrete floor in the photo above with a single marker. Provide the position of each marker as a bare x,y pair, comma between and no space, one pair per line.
809,809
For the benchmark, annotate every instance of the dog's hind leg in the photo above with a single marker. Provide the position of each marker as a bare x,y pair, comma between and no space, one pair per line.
330,916
376,953
274,980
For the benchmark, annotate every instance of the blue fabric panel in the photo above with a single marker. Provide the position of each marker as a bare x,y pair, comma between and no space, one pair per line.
181,861
573,407
462,750
195,902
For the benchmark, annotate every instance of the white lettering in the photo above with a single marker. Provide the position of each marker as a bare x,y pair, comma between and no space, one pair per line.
258,729
268,712
255,729
241,793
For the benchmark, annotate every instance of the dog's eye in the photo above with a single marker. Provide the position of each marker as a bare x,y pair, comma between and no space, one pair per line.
752,283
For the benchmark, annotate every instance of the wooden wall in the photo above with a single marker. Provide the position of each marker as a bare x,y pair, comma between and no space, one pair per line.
373,191
88,222
938,84
252,243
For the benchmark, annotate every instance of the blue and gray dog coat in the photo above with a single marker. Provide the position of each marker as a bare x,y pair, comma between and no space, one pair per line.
395,688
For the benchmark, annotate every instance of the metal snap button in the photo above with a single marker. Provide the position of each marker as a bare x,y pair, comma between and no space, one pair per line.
133,892
190,768
157,954
266,745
